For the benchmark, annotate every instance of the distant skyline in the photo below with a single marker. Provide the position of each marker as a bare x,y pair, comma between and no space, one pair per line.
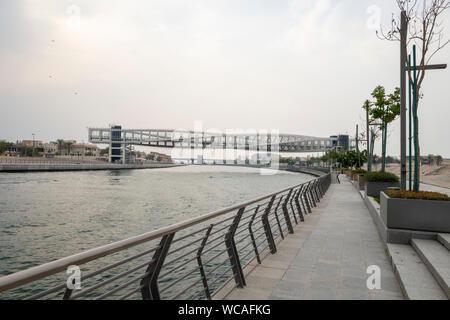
301,67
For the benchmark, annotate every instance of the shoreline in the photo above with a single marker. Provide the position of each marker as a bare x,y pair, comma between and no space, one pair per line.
11,168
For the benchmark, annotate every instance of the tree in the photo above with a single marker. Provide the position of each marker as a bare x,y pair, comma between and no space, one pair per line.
385,109
60,143
288,161
424,29
373,134
348,158
5,146
68,146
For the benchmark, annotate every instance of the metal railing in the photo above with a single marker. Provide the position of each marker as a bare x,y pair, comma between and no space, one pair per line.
188,260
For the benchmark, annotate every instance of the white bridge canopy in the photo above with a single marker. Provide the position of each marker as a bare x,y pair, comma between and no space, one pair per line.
169,138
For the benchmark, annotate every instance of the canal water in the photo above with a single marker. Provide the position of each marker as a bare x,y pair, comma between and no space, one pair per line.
46,216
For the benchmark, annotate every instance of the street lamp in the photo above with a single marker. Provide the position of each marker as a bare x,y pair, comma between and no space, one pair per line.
33,144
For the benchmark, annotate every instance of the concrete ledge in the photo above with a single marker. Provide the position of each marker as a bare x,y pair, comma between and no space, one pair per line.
444,239
355,184
317,172
361,182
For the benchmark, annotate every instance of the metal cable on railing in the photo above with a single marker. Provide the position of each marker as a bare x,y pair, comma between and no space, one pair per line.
211,249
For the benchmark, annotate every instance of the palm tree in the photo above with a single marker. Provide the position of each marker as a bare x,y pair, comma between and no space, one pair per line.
68,146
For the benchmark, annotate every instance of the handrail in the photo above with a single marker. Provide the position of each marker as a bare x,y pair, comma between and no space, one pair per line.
23,277
34,273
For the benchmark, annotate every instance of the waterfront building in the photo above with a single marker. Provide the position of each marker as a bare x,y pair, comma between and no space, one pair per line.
31,143
160,157
27,147
50,149
82,149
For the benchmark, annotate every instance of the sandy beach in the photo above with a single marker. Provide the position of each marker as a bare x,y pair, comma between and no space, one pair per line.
434,175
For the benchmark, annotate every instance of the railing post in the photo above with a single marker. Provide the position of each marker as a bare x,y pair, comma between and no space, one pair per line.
200,263
302,200
252,236
307,199
278,220
267,229
319,185
318,196
286,213
292,207
321,188
316,192
149,284
232,251
68,292
311,194
297,204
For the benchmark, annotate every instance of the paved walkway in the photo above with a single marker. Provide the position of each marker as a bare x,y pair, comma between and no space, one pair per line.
326,258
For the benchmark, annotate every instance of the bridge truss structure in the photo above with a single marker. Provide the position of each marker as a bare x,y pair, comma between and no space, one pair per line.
120,140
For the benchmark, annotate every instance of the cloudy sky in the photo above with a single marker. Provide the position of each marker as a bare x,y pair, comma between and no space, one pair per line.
303,66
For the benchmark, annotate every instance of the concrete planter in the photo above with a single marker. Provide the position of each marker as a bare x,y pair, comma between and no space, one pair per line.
373,189
361,182
411,214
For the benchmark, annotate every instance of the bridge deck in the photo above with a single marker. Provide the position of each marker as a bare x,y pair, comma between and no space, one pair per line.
326,258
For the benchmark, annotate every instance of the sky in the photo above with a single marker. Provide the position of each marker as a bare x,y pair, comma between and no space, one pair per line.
300,67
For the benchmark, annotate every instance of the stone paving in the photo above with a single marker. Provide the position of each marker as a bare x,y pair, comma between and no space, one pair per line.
326,258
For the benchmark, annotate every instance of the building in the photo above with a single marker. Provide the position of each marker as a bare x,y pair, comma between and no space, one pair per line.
431,159
341,142
82,149
28,148
72,148
50,149
31,143
140,155
160,157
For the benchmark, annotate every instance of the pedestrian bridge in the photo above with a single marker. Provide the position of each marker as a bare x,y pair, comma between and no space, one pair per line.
120,139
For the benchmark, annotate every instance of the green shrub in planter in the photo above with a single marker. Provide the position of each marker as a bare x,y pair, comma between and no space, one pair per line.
421,195
380,177
425,211
374,182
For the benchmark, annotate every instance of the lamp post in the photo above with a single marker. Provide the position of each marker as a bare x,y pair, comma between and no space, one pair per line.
33,145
